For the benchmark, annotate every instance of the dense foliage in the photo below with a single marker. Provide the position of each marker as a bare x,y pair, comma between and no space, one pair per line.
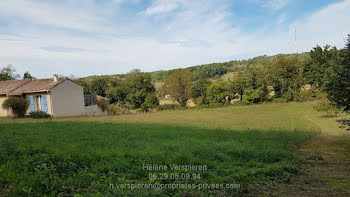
27,75
199,91
17,105
220,92
320,66
338,87
255,80
286,75
130,91
39,115
151,102
8,73
179,86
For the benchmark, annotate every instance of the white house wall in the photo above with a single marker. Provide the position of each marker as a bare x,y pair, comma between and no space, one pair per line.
67,99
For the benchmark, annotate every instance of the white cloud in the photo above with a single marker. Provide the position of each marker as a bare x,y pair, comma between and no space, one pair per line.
198,33
274,4
162,6
282,18
324,27
58,16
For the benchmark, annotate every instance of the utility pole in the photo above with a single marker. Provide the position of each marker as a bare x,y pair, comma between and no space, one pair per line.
295,39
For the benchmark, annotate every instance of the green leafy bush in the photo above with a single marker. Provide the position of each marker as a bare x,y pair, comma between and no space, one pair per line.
345,123
310,95
220,92
168,107
103,104
211,105
39,114
114,109
17,105
280,100
255,95
151,101
324,105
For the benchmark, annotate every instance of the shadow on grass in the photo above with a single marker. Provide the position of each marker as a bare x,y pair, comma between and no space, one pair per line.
329,116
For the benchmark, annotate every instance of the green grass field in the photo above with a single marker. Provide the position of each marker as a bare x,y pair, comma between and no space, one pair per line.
246,145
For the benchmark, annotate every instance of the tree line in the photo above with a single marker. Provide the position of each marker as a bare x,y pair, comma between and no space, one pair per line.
9,73
281,78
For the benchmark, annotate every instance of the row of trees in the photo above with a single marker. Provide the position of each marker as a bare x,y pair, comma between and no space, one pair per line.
326,70
216,70
284,76
9,73
281,79
134,91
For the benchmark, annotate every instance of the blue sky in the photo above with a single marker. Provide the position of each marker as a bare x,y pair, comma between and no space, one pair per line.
94,37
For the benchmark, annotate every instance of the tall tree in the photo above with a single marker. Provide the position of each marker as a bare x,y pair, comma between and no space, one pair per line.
338,88
83,82
239,84
321,65
179,86
139,85
132,91
27,75
252,83
99,86
8,73
220,92
286,75
199,90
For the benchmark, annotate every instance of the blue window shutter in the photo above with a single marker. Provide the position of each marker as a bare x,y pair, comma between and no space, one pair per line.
44,103
31,103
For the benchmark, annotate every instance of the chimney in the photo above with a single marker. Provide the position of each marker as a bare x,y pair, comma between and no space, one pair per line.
55,77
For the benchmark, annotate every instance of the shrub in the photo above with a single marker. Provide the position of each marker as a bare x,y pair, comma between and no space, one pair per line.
255,95
345,123
179,86
112,108
17,105
280,100
151,101
211,105
220,92
168,107
39,114
103,104
324,105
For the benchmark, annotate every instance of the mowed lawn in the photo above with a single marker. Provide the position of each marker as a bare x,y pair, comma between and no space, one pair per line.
246,145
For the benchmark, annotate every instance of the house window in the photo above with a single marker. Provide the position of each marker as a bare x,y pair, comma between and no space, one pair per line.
38,103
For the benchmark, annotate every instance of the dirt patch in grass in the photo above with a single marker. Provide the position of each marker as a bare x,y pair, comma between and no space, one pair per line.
325,170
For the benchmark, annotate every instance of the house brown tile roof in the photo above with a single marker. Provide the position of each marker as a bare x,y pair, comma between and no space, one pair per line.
9,85
18,87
